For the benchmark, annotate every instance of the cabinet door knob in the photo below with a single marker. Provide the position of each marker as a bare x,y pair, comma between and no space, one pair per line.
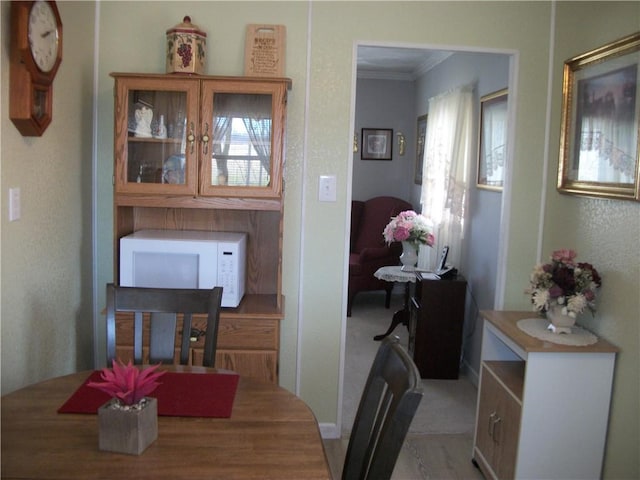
205,138
191,138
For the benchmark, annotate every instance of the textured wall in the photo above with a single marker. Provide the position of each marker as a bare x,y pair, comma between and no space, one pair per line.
46,256
129,48
385,104
603,232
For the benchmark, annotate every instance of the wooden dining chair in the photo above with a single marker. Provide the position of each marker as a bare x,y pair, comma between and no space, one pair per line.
388,404
164,306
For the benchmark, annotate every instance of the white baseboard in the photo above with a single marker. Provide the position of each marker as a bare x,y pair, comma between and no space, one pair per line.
471,373
329,430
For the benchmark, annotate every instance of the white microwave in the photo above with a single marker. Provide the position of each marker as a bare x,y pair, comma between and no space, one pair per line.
185,259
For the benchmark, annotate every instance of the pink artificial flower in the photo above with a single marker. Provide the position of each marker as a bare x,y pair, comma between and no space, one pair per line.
431,239
402,233
564,255
127,383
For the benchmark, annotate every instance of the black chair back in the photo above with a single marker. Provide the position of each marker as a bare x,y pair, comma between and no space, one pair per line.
164,307
388,404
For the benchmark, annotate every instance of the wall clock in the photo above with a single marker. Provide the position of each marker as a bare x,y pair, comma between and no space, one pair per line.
35,55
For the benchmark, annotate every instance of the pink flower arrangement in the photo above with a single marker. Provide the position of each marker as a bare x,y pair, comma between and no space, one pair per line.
128,384
408,226
564,282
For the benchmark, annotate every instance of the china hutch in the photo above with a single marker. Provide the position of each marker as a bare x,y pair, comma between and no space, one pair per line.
206,153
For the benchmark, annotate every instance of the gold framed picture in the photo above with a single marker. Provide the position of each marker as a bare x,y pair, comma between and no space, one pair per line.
599,131
492,151
377,144
420,142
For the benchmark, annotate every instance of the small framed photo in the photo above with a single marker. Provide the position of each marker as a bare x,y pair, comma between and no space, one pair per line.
493,140
377,144
599,130
421,139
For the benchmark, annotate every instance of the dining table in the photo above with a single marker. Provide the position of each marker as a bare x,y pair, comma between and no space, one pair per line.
270,434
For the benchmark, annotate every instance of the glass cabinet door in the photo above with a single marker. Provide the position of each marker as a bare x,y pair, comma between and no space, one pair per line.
243,156
157,129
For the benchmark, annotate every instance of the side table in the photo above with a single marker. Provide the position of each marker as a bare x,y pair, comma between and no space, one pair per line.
397,275
436,325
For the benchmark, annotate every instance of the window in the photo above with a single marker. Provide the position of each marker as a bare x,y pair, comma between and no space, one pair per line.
242,140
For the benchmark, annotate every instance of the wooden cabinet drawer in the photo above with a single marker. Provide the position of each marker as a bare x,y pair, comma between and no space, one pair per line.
257,364
248,346
233,333
244,333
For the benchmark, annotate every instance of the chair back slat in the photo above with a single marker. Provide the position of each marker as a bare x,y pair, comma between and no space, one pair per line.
137,337
186,339
166,309
162,337
388,404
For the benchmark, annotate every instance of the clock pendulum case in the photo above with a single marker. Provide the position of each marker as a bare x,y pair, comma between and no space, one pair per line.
35,55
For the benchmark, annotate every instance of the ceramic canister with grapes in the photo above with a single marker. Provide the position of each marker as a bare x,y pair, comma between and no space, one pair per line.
186,48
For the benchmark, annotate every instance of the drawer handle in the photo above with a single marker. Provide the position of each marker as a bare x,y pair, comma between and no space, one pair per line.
195,334
495,437
491,424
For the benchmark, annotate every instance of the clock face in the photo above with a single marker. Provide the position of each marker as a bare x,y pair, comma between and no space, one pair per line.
43,35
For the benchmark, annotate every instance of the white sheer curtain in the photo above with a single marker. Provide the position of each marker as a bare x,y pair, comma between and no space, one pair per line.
447,157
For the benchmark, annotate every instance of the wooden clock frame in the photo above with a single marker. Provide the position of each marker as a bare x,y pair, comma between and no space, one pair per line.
30,89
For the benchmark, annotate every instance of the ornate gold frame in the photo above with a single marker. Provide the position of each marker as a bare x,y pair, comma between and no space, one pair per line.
421,139
603,81
488,102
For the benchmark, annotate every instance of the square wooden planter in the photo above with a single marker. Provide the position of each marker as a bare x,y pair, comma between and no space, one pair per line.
127,431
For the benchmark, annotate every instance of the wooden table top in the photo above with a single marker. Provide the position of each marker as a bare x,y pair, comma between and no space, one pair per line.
271,434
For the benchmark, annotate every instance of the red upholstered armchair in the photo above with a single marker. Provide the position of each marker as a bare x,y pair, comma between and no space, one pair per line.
368,250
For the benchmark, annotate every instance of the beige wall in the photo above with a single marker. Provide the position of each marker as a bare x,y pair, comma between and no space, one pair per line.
319,135
46,255
125,47
603,232
335,27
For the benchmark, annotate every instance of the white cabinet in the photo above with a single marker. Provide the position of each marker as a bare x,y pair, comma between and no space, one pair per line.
543,408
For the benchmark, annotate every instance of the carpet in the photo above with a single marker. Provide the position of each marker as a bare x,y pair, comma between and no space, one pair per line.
447,407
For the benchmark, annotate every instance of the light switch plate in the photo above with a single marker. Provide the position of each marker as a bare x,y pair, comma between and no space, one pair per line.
14,204
327,188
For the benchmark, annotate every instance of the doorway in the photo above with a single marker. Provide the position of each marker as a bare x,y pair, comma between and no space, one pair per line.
407,77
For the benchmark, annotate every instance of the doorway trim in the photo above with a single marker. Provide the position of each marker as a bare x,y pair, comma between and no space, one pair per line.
512,85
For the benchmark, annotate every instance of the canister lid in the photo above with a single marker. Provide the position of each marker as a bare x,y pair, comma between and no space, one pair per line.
186,27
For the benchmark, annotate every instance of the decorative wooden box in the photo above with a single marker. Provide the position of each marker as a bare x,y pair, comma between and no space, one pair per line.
127,431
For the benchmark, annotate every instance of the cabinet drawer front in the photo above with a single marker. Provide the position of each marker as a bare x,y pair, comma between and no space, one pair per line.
237,333
260,365
243,333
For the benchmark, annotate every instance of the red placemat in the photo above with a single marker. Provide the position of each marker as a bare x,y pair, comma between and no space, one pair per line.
179,395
